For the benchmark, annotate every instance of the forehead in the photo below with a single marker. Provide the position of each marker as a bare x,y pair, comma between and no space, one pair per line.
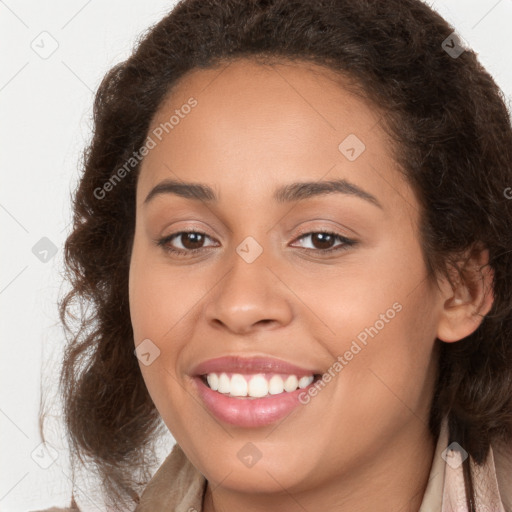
298,90
283,121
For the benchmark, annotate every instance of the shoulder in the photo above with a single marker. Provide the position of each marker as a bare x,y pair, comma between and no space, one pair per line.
57,509
73,507
176,485
502,454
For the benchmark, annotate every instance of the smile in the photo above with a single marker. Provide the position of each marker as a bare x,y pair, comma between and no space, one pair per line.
251,392
256,385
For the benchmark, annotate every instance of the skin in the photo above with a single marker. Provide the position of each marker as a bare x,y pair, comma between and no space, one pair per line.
362,443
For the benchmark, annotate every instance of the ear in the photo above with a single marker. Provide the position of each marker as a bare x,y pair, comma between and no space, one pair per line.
466,302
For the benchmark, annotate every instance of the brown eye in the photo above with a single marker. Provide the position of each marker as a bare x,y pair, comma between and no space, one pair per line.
191,240
183,242
322,241
186,243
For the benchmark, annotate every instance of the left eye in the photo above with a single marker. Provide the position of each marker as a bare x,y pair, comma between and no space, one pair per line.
191,242
324,239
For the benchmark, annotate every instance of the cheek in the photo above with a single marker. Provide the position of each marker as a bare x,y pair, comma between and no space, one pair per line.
364,291
160,296
391,378
382,327
162,301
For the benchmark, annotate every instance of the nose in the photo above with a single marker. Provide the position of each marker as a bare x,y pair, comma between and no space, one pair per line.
249,297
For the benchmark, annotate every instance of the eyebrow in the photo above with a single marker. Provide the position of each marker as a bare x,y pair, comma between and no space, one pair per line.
285,194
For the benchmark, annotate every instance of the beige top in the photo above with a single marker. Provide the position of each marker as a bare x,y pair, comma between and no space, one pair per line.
177,486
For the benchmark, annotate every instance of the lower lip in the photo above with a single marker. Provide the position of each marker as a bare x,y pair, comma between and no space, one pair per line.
249,412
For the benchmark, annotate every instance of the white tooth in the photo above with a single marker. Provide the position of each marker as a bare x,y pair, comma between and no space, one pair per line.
305,381
213,381
258,386
224,384
291,383
238,385
276,385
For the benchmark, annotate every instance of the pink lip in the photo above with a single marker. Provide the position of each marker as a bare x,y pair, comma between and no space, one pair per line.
243,411
238,364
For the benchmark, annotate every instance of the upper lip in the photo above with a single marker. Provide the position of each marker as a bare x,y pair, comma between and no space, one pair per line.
242,364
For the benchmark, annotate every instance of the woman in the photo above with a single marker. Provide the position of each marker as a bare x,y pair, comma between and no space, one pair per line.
296,213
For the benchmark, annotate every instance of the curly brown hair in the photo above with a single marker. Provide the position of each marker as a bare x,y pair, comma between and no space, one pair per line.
452,136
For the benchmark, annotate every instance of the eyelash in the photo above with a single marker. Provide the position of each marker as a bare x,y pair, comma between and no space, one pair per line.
162,242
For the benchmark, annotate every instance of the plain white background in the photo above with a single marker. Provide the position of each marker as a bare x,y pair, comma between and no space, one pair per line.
46,104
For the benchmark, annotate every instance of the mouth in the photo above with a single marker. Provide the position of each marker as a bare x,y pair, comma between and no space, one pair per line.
251,392
259,385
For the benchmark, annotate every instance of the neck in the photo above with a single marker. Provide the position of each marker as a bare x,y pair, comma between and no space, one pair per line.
394,480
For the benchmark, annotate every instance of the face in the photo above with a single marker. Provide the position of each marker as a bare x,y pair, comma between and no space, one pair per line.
278,284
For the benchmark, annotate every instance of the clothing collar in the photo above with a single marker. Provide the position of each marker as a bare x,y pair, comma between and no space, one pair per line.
445,490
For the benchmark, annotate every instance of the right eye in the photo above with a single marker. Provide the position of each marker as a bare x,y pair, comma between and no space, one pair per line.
187,238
